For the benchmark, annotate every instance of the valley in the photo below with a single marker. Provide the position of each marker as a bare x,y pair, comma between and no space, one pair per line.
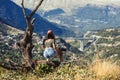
88,35
105,47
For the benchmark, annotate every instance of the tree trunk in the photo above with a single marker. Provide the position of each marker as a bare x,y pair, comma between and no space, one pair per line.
25,44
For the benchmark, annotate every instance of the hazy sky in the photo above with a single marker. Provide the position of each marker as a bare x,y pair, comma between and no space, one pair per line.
66,4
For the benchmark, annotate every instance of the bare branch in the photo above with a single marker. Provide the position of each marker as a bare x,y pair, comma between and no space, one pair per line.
33,20
23,8
9,66
33,12
24,12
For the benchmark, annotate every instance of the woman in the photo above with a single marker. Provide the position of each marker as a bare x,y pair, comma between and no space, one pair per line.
50,47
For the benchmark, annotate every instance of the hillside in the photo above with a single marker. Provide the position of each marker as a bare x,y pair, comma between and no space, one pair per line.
11,14
107,45
100,61
6,29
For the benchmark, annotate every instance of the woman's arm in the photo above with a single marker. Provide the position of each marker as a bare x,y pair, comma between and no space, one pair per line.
54,46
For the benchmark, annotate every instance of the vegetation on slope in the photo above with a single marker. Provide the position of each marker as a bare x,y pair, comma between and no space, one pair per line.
102,64
99,69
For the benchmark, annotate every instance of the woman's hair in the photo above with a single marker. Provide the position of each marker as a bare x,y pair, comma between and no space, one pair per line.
50,35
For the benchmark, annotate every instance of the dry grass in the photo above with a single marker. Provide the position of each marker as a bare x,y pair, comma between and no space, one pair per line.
104,68
100,69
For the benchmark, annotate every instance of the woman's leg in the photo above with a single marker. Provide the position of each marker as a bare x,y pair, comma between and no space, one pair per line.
60,54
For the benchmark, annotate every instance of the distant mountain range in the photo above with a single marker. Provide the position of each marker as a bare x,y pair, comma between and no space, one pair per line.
89,17
67,5
80,20
12,14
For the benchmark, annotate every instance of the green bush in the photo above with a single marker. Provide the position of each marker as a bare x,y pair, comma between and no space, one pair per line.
43,69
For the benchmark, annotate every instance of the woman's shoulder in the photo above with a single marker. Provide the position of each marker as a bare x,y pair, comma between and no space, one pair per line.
50,40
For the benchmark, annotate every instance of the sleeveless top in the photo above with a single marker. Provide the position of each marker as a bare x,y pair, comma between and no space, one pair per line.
49,42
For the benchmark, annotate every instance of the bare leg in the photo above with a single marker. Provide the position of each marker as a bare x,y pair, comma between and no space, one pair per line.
60,54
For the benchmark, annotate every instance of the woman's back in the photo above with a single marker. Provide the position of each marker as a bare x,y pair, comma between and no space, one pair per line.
49,48
49,42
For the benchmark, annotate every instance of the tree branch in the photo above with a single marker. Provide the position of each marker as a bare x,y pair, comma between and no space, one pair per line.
9,66
24,12
23,8
33,12
33,20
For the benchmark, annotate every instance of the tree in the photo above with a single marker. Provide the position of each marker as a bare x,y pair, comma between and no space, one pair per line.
25,44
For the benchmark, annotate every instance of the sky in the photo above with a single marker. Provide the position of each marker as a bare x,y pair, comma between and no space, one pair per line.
66,4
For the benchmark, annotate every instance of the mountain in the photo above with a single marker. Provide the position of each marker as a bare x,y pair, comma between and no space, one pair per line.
67,4
54,12
89,17
12,14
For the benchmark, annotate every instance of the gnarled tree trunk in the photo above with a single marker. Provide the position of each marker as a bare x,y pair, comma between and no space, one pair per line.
25,44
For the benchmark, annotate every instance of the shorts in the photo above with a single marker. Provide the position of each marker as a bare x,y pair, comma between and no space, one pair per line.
49,52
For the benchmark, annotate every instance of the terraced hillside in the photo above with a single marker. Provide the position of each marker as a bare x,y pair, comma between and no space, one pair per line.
107,44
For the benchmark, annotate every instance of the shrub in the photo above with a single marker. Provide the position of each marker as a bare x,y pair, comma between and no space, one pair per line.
105,69
43,69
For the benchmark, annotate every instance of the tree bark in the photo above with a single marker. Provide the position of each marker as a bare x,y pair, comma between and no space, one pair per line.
25,44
